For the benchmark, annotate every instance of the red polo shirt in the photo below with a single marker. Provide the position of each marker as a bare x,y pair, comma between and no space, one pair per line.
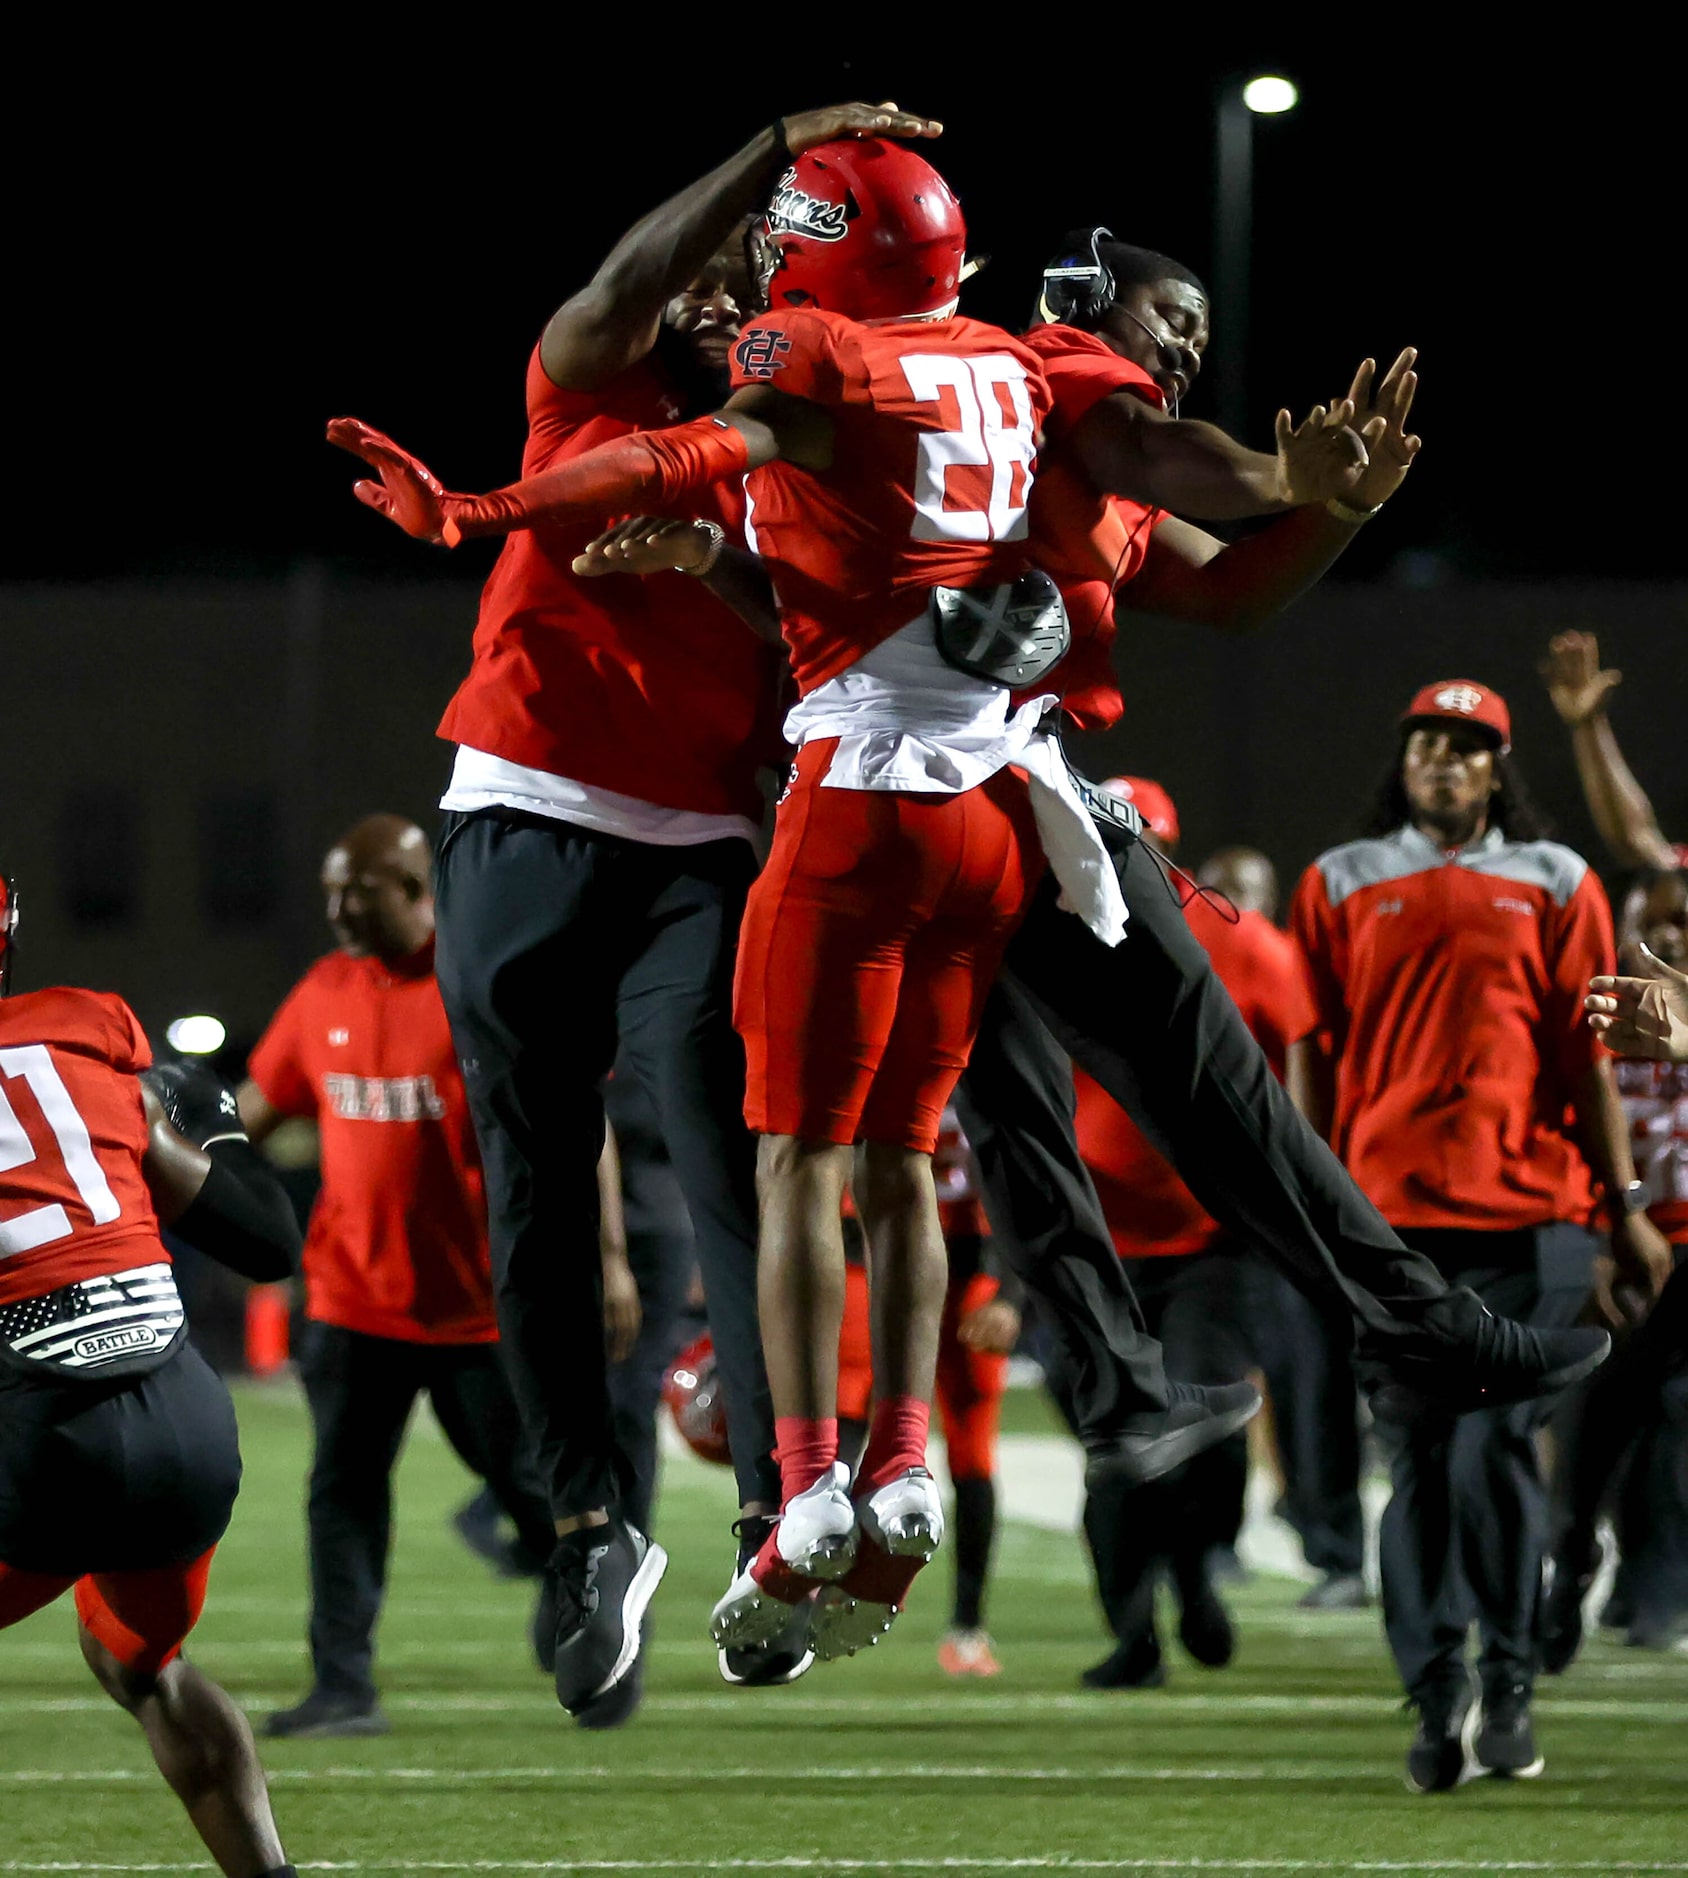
1451,989
397,1245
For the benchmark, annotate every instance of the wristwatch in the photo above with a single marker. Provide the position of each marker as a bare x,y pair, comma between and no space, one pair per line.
1628,1200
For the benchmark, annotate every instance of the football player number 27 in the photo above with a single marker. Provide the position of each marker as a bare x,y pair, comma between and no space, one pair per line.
994,431
41,1225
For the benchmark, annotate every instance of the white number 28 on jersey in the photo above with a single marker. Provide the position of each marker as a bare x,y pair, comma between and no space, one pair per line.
986,437
41,1225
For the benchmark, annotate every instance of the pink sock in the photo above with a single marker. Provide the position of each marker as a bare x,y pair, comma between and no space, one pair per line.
896,1440
805,1449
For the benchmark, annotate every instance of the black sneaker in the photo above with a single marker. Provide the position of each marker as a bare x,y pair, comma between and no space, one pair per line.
1440,1757
1504,1742
768,1665
1204,1624
1656,1627
1135,1664
1499,1362
1197,1418
1561,1623
321,1717
602,1577
1336,1591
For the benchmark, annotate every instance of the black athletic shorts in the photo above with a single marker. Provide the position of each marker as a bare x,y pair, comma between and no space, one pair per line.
119,1475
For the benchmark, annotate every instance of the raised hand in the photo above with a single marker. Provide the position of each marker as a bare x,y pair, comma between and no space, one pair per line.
409,494
809,128
1575,682
1645,1015
648,544
1381,406
1321,457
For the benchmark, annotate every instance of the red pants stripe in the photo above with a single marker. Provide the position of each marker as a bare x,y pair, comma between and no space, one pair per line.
870,941
142,1617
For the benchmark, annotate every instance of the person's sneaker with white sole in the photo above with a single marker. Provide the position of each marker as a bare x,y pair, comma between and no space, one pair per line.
902,1526
605,1577
814,1543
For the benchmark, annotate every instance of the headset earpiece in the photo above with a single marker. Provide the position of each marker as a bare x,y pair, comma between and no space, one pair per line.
1077,287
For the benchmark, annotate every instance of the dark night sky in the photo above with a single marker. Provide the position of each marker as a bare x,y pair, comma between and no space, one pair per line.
222,270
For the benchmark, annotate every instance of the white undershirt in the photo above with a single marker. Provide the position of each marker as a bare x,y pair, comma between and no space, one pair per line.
906,719
482,781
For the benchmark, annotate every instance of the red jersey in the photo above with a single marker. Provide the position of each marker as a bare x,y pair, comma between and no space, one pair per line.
1088,543
1149,1210
397,1244
1655,1099
650,687
935,441
73,1201
1451,989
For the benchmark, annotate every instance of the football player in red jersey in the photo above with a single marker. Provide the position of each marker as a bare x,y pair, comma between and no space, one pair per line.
119,1462
1447,954
398,1290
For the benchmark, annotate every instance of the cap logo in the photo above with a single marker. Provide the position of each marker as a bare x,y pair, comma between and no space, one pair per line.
794,211
1462,698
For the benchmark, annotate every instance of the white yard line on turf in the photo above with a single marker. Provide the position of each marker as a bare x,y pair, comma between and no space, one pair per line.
1618,1868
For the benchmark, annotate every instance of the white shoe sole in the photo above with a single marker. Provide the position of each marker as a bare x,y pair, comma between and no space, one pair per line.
843,1624
748,1618
800,1668
641,1588
915,1535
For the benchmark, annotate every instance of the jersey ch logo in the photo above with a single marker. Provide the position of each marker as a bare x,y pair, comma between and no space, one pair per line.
758,354
1462,698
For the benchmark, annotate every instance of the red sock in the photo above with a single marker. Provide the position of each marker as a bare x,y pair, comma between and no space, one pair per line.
805,1449
896,1440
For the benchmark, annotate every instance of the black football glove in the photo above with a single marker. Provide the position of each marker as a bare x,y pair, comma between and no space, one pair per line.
198,1103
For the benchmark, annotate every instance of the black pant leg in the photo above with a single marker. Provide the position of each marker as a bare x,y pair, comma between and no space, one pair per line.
1305,1350
662,1266
477,1413
535,923
1015,1100
1151,1022
678,1039
360,1390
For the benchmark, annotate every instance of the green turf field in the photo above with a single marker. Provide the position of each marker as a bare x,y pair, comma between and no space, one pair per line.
1288,1762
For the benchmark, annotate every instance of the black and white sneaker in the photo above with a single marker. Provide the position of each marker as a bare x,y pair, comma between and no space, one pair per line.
1441,1756
1499,1362
603,1578
1571,1573
1504,1741
766,1665
1197,1418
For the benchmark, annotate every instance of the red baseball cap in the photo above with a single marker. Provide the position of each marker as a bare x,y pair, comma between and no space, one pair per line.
1150,801
1463,701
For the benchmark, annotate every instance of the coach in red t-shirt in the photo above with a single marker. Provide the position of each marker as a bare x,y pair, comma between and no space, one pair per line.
398,1289
1448,953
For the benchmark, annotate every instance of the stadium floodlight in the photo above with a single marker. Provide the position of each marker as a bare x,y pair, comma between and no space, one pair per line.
198,1035
1269,95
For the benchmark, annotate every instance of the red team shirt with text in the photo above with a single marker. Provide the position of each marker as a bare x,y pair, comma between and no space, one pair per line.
74,1203
1450,989
397,1245
1150,1212
649,687
935,442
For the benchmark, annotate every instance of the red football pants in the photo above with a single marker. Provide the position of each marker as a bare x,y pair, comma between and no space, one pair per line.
970,1382
141,1617
870,940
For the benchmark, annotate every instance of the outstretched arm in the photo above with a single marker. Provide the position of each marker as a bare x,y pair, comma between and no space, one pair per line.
1618,803
612,322
648,544
1190,575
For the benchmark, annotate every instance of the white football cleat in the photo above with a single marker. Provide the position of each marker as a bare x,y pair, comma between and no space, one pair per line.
817,1535
905,1517
844,1624
749,1617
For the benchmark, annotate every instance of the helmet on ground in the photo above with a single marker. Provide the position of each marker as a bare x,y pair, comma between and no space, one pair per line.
693,1395
864,228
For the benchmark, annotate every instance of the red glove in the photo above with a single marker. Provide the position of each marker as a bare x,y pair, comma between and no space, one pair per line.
646,472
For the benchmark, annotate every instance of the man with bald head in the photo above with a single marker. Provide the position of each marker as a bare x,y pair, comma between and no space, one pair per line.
398,1287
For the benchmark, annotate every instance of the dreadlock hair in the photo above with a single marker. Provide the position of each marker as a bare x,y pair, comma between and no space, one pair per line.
1512,809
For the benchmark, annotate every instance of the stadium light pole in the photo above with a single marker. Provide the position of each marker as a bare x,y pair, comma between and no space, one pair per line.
1240,103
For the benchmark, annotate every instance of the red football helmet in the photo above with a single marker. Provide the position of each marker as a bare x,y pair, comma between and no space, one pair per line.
694,1400
864,228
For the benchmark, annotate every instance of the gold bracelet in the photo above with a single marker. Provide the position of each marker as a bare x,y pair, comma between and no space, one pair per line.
1347,512
717,541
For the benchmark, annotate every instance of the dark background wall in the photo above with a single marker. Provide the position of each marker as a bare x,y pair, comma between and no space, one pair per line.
179,753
